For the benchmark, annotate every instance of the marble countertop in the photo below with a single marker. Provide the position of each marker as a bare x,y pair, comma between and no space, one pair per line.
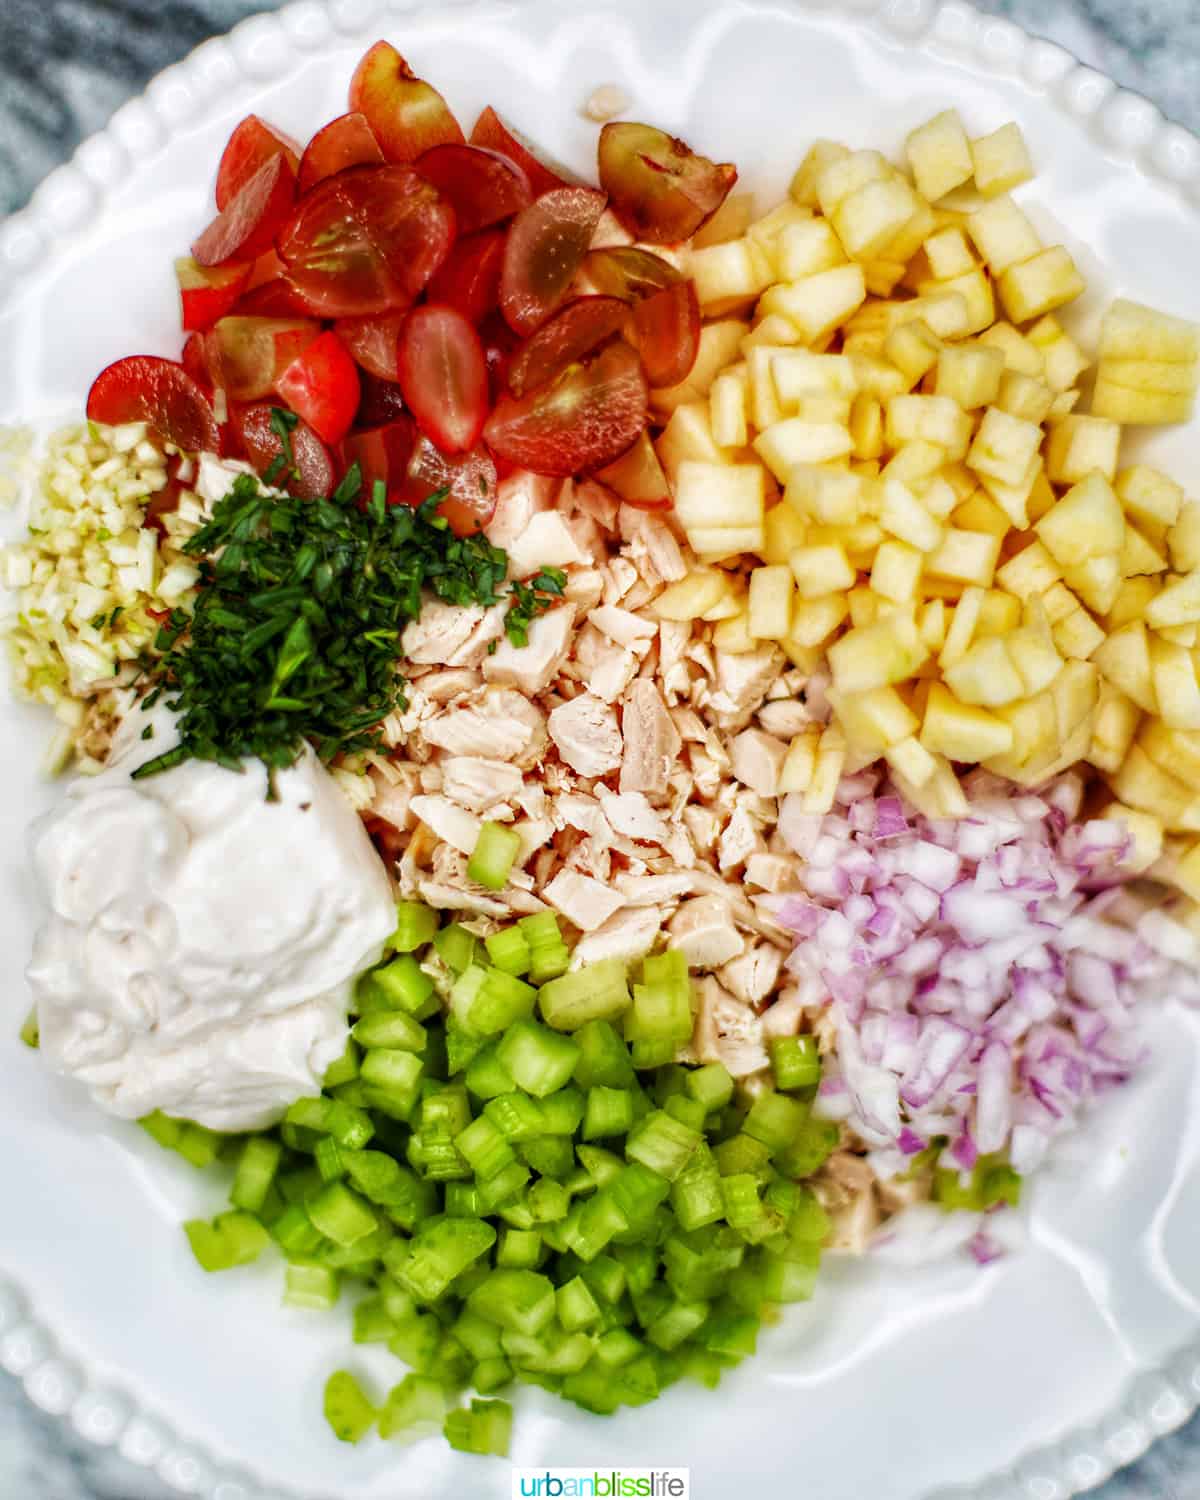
65,65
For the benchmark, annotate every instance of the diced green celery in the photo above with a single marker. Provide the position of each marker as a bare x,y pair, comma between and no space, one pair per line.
344,1070
677,1323
652,1054
517,1213
414,1409
492,858
447,1105
340,1214
609,1112
667,967
432,1151
198,1145
519,1247
400,984
416,924
548,954
663,1144
710,1085
350,1127
397,1303
486,1427
508,950
501,1000
700,1365
597,992
562,1111
231,1239
462,1045
455,946
660,1013
479,1336
496,1190
639,1263
617,1347
696,1193
775,1120
515,1116
783,1195
577,1307
815,1142
604,1274
540,1060
347,1409
742,1153
601,1165
491,1375
730,1331
385,1182
440,1251
372,1323
451,1364
793,1278
637,1382
548,1201
393,1077
328,1158
637,1192
808,1222
739,1192
390,1028
461,1200
310,1114
256,1170
795,1061
549,1155
604,1060
487,1077
163,1129
591,1388
310,1286
686,1110
416,1340
520,1301
596,1221
352,1093
956,1190
300,1183
294,1232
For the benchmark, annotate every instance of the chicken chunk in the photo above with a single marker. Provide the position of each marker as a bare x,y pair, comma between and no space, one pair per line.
652,546
756,759
587,735
545,542
630,814
753,974
477,784
519,498
532,667
740,838
452,635
577,810
450,822
785,717
772,872
704,932
501,724
583,901
742,680
651,740
628,934
727,1031
622,625
604,669
653,890
585,588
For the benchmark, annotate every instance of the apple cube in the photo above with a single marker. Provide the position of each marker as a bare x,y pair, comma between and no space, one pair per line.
1030,571
1024,396
945,313
805,248
1035,658
1004,446
870,217
730,275
1183,539
1150,375
1038,285
831,497
1175,685
1140,556
1175,750
985,674
845,175
939,155
1062,359
784,529
933,625
970,375
1076,635
815,620
940,796
1002,234
896,572
727,403
1078,445
733,634
903,515
1151,500
794,441
1120,403
1116,723
729,222
1177,604
962,731
1020,353
770,602
913,348
827,771
1124,660
969,556
1131,601
800,761
819,570
949,254
1001,160
999,614
932,419
981,513
818,304
1097,581
719,495
688,435
1131,330
976,291
692,597
877,655
876,719
1142,784
912,761
798,373
803,189
1087,522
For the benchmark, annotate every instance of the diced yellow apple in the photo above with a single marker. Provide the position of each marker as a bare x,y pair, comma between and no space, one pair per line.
1076,635
1030,571
969,556
1034,725
949,254
1183,538
979,512
1124,660
1175,685
831,497
794,441
1087,522
1139,408
688,435
1131,601
819,303
1020,354
1004,446
911,760
1001,160
799,373
800,761
875,719
969,374
933,624
975,289
729,276
1176,604
729,222
770,602
1140,556
1063,360
1097,581
1078,445
718,348
727,408
1034,655
803,189
775,330
714,544
897,571
963,625
693,596
1186,874
815,620
827,771
1130,330
1175,750
1150,499
870,217
1116,723
819,570
999,614
866,427
913,348
938,497
734,635
1024,396
1063,405
714,495
941,796
1038,285
939,154
962,731
1151,375
933,419
864,606
915,464
871,656
903,516
1002,234
1142,784
804,249
985,674
784,529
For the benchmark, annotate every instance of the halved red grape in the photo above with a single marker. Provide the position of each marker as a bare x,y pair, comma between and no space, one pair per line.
470,477
195,361
444,377
500,343
484,186
469,277
366,240
321,386
573,332
276,298
660,189
638,477
628,271
546,245
252,143
382,453
207,293
406,114
314,473
379,401
588,417
246,356
345,142
159,392
667,333
491,132
374,342
246,227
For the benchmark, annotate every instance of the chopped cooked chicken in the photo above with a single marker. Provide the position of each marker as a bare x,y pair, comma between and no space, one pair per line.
450,822
651,740
577,810
727,1030
703,930
452,635
653,890
532,667
587,735
703,826
756,759
519,498
772,872
652,546
583,901
622,625
740,838
846,1189
785,717
629,813
545,542
501,724
628,934
477,784
753,974
742,681
604,669
784,1015
535,834
393,802
620,576
585,588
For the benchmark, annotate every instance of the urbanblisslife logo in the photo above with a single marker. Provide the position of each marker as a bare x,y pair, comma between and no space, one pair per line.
601,1484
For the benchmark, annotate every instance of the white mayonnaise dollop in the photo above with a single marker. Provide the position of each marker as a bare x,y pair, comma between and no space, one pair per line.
203,941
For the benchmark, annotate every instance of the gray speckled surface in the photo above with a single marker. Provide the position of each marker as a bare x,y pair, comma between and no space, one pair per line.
65,65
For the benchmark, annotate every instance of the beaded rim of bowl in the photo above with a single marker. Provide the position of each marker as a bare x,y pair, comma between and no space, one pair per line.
265,46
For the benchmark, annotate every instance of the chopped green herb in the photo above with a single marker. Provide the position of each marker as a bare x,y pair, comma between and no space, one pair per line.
530,600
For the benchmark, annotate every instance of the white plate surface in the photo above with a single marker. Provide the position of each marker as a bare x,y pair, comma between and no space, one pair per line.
1033,1378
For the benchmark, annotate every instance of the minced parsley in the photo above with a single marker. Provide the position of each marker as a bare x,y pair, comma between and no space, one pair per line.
295,632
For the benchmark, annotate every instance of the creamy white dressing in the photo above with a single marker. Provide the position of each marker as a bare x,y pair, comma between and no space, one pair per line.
202,941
